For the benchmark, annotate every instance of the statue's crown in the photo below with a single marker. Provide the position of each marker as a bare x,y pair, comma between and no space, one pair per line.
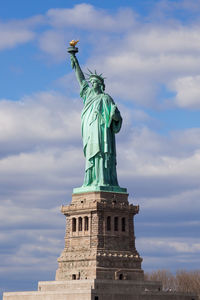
95,75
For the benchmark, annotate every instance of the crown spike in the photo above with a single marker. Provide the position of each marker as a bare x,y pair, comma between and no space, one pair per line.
90,71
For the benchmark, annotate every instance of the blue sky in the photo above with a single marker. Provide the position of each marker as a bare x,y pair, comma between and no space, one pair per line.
149,51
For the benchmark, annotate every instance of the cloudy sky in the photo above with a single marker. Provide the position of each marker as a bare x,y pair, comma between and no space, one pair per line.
149,51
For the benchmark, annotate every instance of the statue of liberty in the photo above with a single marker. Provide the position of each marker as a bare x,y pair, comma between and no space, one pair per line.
100,121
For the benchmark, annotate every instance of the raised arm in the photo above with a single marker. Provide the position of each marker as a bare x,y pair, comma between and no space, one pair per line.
75,65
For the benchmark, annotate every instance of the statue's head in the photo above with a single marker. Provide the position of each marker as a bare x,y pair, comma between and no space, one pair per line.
97,80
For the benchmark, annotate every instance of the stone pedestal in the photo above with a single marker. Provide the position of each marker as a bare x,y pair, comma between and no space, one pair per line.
99,260
100,240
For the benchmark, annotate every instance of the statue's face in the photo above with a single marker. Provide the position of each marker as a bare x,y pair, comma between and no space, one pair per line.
96,84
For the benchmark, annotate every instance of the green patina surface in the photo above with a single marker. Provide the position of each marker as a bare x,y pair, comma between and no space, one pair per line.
100,121
92,188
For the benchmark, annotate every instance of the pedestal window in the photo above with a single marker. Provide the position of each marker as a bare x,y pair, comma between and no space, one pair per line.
116,223
74,224
108,223
86,223
123,224
80,224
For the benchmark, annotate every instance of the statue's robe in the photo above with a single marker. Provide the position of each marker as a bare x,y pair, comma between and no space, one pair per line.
100,121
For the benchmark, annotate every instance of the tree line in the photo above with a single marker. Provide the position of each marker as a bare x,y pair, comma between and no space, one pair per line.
181,281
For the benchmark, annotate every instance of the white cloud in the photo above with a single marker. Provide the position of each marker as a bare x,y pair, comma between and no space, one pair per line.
169,166
166,9
165,39
169,253
41,155
170,245
154,166
46,117
16,32
187,92
53,43
76,22
139,115
24,216
140,62
32,250
183,202
11,36
86,16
